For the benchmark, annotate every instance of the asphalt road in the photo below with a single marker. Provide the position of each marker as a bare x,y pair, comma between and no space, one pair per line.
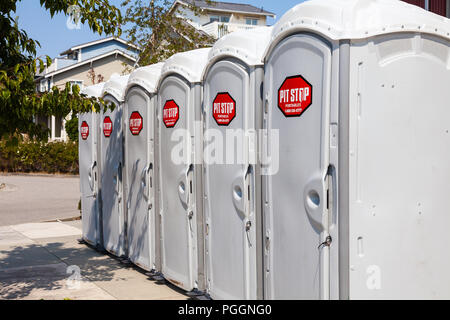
29,198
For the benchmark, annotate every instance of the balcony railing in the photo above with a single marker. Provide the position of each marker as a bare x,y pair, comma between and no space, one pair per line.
219,29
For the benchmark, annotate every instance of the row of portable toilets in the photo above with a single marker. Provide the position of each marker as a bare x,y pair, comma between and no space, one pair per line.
342,110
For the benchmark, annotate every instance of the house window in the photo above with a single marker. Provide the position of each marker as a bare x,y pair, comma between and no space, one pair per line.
42,120
43,86
78,83
223,19
73,56
58,127
251,21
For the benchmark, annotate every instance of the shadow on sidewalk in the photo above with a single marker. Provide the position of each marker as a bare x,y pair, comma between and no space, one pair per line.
50,267
35,270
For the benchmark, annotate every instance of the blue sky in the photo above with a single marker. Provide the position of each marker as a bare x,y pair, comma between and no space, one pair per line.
55,37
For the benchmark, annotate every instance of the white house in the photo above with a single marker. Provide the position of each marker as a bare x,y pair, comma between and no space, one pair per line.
84,65
219,18
109,56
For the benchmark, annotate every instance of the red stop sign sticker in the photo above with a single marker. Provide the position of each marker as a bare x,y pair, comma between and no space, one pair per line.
136,123
224,109
171,114
294,96
107,127
84,130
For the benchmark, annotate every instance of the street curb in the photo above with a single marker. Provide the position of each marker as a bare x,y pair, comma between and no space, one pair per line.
77,218
31,174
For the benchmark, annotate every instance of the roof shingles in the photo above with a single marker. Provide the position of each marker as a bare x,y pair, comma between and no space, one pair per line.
228,6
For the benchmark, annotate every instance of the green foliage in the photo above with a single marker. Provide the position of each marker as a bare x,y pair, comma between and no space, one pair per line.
38,156
157,30
72,129
18,65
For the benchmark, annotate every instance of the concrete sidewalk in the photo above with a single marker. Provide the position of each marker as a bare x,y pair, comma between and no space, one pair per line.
45,261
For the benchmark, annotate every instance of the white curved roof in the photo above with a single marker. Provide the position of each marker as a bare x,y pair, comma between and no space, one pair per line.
190,65
94,91
246,45
146,77
358,19
116,87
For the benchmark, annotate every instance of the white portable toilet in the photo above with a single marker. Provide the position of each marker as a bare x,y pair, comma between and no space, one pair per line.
89,173
143,222
179,144
357,207
111,163
232,184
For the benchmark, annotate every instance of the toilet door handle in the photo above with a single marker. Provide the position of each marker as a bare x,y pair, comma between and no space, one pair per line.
119,182
242,192
238,194
93,179
249,187
314,198
189,179
91,176
184,186
149,185
144,178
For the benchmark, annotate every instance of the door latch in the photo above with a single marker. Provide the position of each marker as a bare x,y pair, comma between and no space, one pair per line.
326,243
248,227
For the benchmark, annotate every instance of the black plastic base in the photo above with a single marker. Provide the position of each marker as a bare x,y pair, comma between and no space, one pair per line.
195,293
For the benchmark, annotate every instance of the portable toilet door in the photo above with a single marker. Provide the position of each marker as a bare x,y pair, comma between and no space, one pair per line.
89,173
232,181
143,222
179,143
111,164
358,92
297,88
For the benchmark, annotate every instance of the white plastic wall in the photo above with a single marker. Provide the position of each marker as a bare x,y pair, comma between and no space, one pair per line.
399,167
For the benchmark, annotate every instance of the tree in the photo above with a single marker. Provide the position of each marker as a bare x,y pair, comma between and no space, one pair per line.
94,77
72,128
159,31
19,102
